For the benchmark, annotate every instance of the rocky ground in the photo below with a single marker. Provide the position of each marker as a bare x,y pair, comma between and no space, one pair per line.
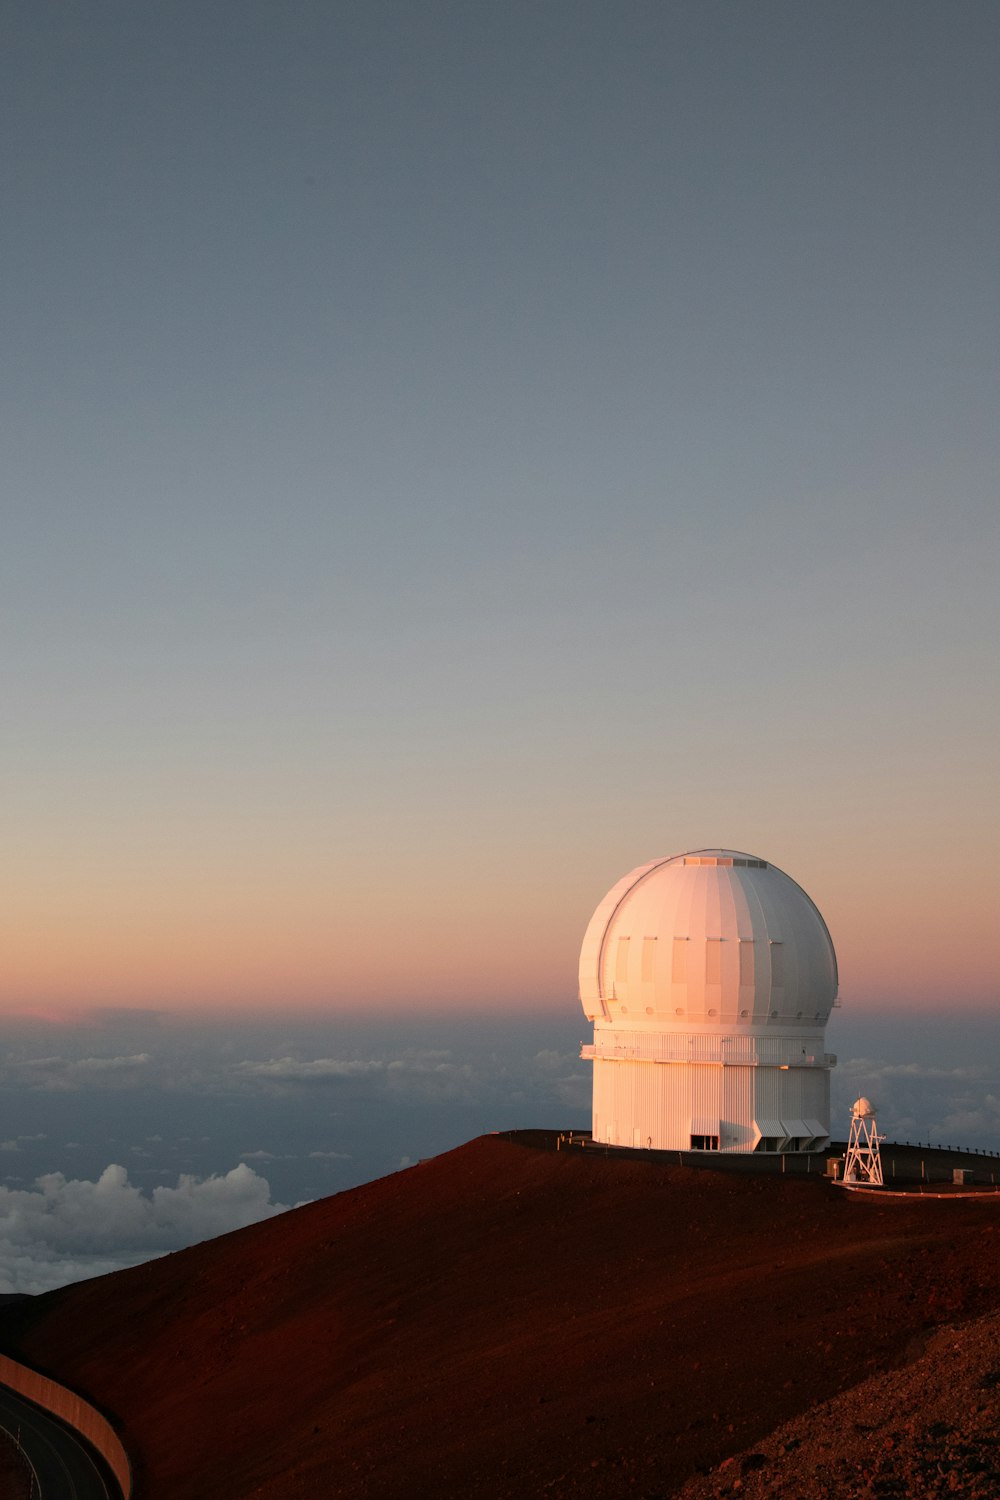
927,1430
506,1322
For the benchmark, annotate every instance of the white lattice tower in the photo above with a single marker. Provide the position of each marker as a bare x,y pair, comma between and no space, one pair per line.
863,1162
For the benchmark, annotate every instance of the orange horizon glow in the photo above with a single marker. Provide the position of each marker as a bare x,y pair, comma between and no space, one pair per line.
501,931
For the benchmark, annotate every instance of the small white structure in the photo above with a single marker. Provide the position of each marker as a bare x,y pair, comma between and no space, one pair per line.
863,1162
709,977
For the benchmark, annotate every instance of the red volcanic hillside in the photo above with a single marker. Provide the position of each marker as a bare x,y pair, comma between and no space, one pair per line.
502,1321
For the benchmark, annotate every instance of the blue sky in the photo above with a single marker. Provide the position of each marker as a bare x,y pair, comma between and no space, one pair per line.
446,439
452,455
441,440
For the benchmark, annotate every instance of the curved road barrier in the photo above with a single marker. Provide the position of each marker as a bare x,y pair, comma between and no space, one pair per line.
61,1465
917,1194
74,1411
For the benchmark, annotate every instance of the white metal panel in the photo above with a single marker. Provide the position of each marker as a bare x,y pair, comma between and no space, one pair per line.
705,1094
737,1129
592,951
668,898
668,1103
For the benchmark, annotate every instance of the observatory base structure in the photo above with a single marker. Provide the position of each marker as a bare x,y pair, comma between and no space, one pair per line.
709,978
712,1094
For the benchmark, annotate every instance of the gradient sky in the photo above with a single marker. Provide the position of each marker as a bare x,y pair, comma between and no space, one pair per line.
455,453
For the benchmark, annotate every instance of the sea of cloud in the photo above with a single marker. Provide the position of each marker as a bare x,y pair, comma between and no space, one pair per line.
127,1134
933,1078
62,1230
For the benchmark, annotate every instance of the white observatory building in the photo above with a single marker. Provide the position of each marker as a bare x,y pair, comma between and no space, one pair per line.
709,978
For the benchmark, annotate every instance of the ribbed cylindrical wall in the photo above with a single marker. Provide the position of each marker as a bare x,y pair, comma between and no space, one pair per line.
678,1106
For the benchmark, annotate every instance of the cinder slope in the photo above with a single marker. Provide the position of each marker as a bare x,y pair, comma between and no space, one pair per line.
505,1322
927,1430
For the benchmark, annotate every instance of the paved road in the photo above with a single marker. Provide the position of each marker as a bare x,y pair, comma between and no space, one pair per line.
64,1466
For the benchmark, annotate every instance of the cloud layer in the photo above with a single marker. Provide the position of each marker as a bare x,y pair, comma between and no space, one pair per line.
943,1106
321,1107
64,1230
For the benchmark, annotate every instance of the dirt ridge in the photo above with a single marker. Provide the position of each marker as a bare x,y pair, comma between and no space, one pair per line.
507,1322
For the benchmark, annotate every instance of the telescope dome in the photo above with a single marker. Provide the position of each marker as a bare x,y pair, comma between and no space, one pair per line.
709,977
709,936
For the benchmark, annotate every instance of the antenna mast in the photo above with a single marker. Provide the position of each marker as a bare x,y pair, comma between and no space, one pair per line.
863,1162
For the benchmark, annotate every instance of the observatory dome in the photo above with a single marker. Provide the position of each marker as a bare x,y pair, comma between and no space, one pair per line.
708,939
709,978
